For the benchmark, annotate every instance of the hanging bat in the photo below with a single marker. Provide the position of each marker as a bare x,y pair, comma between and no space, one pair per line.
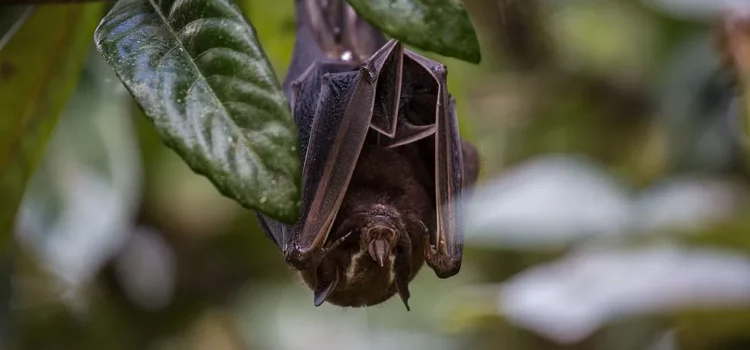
384,167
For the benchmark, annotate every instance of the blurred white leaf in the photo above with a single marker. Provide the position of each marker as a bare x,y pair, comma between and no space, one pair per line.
145,268
571,298
668,341
79,206
699,9
554,201
275,317
546,202
688,204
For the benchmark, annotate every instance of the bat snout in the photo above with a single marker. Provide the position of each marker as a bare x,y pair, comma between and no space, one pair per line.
379,242
379,250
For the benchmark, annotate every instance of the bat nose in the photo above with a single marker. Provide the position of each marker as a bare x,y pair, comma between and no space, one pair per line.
378,250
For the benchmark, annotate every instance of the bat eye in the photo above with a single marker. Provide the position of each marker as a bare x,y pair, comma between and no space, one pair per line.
380,232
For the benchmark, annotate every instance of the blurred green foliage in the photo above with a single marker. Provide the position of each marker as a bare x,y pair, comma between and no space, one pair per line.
35,82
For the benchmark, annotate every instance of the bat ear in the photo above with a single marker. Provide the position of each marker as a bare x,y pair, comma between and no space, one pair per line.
402,287
403,275
323,286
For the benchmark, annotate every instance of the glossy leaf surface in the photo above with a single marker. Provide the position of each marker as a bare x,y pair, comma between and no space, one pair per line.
440,26
198,72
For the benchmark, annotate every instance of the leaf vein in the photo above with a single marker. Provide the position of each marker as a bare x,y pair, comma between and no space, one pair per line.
161,59
197,57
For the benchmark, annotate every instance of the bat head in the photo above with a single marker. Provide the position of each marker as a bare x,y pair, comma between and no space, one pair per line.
376,259
381,229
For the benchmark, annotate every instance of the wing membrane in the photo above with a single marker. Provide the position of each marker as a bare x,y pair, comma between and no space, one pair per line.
445,250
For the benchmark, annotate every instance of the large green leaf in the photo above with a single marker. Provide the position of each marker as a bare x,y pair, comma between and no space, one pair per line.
39,68
198,72
440,26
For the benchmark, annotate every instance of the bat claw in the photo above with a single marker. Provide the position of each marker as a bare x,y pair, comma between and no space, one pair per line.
298,259
369,71
424,227
441,71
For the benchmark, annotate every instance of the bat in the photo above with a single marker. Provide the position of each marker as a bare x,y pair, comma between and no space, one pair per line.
384,168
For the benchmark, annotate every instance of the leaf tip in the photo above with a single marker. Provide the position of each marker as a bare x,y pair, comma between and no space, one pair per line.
473,56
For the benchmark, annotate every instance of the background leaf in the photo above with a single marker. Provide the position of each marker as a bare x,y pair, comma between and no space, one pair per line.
198,72
81,203
35,82
440,26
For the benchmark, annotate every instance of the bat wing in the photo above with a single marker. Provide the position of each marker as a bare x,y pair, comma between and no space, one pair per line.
426,109
303,94
400,94
333,107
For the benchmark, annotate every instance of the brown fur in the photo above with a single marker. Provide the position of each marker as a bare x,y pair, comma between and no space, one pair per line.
389,187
